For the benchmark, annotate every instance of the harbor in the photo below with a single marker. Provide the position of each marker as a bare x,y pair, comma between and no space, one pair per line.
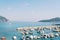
32,31
27,32
29,19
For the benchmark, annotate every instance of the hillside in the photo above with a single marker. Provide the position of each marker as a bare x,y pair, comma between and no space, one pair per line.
3,19
57,19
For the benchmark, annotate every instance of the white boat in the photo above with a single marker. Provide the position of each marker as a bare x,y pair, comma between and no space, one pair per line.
14,38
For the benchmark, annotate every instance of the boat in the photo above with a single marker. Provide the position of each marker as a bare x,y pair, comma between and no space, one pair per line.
14,38
3,38
58,30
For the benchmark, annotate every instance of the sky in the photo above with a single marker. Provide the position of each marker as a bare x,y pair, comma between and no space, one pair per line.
29,10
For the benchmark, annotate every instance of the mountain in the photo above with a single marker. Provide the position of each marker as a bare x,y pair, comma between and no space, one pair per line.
3,19
57,19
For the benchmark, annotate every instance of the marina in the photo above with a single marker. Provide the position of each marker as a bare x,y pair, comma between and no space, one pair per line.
40,29
32,31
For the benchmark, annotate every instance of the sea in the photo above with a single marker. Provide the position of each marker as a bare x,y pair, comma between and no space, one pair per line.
8,29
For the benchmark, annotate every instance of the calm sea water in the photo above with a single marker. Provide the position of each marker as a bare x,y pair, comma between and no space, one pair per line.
9,29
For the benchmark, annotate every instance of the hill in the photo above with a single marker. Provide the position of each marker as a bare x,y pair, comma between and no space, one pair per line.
57,19
3,19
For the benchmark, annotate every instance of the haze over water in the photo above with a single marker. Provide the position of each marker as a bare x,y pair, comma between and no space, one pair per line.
29,10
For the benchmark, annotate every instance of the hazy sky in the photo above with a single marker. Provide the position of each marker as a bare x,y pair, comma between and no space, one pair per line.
29,10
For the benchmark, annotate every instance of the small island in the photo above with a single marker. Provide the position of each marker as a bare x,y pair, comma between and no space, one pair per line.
3,19
57,19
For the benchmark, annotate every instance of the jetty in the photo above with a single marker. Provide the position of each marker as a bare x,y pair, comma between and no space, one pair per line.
37,27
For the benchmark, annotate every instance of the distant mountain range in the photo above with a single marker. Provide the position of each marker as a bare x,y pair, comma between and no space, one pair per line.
3,19
57,19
